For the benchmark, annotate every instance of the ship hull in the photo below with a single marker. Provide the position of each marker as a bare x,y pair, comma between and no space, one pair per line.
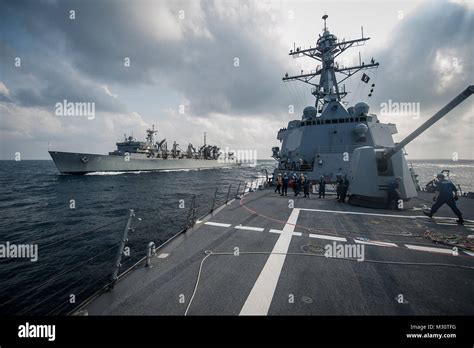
82,163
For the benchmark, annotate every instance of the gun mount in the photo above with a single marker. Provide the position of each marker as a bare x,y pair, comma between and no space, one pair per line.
372,169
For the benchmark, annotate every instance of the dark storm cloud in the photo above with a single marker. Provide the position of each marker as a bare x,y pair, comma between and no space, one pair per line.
200,67
46,75
429,60
52,84
419,63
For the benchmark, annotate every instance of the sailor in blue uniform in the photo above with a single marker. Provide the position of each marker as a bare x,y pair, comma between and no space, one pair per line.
306,186
344,188
285,185
296,184
322,187
393,193
447,193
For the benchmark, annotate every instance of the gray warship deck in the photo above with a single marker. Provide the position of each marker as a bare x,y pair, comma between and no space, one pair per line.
279,269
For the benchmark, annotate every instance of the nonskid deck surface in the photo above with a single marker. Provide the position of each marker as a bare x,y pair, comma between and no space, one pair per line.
268,259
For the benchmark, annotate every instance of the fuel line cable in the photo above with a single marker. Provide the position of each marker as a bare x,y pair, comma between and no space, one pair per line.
399,263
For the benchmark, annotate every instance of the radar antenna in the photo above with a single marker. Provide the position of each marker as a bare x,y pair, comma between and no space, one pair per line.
328,47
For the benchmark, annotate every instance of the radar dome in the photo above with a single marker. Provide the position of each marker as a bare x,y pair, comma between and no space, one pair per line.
361,108
361,129
309,112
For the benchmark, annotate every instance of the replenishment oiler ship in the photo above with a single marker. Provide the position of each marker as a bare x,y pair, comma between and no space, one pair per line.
132,155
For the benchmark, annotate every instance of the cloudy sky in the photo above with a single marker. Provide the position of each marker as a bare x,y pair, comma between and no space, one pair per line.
182,75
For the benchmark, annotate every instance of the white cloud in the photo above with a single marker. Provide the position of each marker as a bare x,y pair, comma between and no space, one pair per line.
449,66
4,90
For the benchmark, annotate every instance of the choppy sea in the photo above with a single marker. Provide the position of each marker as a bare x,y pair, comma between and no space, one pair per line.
78,222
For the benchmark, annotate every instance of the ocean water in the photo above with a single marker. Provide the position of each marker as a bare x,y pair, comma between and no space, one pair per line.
461,172
35,208
78,247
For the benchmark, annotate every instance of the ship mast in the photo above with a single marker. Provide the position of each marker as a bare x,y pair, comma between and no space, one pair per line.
326,50
149,134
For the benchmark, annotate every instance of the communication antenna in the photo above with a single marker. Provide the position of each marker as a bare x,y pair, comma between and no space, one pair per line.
327,49
325,17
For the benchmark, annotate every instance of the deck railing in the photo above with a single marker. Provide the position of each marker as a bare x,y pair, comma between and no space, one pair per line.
59,285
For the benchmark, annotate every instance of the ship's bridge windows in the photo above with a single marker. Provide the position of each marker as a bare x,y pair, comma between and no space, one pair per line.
363,119
369,118
356,119
352,119
318,122
327,121
333,121
313,123
341,120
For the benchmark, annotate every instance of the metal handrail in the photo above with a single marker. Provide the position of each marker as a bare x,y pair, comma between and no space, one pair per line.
152,249
118,262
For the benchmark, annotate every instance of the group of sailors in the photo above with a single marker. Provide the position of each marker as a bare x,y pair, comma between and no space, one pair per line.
445,191
298,183
302,184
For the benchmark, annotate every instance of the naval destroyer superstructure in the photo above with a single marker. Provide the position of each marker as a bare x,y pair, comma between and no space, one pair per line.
148,155
331,141
322,142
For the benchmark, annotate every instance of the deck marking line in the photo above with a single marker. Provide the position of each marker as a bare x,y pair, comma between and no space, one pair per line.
218,224
249,228
322,236
424,248
260,298
360,213
376,214
470,253
163,255
373,242
299,234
